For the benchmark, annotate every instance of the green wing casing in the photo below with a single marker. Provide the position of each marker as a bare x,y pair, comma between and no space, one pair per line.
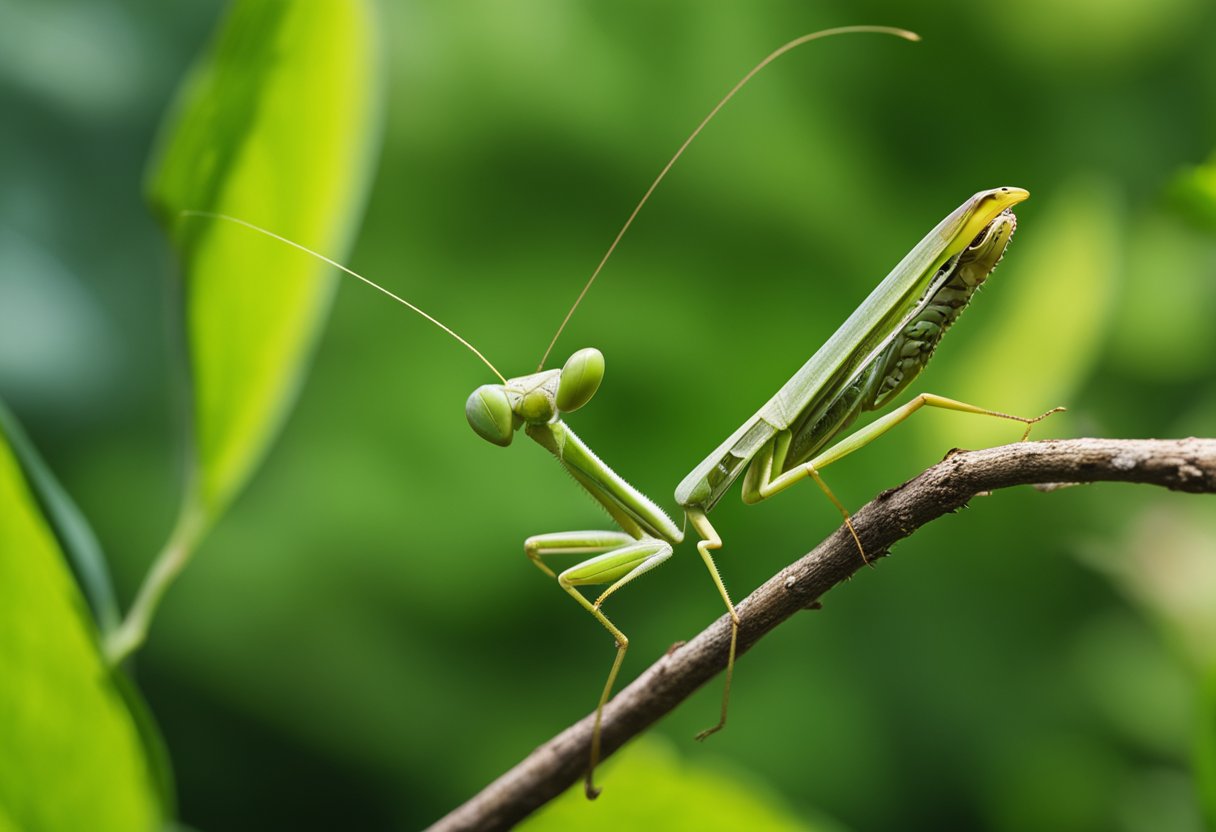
852,350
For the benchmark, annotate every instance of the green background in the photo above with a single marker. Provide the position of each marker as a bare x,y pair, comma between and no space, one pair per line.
361,641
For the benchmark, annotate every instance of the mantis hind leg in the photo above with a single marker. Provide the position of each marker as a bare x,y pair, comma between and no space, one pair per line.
861,438
769,485
616,566
709,541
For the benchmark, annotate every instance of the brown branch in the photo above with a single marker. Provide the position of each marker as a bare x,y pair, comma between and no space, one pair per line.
1180,465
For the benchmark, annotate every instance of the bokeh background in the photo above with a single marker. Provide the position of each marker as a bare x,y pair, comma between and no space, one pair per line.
362,643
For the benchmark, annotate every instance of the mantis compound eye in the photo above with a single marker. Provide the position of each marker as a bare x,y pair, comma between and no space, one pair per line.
580,379
489,413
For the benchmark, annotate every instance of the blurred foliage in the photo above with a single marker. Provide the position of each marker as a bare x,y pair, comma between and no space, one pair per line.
713,797
77,749
362,642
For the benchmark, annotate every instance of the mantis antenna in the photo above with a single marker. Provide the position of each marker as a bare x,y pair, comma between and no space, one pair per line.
352,273
772,56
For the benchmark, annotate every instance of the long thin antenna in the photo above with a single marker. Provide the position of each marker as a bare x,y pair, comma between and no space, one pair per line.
337,265
796,42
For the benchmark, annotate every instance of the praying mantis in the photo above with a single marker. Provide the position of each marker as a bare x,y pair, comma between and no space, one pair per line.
871,358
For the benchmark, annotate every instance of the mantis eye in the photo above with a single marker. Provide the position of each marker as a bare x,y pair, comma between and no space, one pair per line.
580,379
489,413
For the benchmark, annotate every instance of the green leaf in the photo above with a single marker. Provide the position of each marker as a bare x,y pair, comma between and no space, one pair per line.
275,126
76,748
74,535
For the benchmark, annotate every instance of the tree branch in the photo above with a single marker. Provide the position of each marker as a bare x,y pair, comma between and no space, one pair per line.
1180,465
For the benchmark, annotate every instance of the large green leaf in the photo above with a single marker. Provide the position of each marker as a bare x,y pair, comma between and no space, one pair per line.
275,126
76,750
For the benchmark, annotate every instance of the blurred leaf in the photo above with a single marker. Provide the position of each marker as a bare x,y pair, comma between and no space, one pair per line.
75,754
1039,789
275,127
1163,561
648,786
1161,558
1055,291
1165,319
71,529
1142,693
1194,190
1089,33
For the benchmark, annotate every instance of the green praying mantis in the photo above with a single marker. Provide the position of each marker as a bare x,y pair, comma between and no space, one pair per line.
869,360
873,357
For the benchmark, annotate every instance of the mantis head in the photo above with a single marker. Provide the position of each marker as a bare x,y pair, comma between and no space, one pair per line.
982,255
496,411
